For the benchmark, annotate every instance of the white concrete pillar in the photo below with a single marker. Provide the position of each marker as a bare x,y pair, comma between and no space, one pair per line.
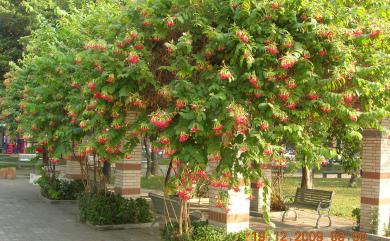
236,217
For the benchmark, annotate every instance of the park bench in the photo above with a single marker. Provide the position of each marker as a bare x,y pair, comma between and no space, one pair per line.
317,200
339,173
169,207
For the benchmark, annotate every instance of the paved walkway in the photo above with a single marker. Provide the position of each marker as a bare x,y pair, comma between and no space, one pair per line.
24,217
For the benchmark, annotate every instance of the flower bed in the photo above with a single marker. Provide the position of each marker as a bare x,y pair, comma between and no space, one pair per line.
202,231
53,188
112,209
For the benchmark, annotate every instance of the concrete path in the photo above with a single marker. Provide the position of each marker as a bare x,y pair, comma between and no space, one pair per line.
24,217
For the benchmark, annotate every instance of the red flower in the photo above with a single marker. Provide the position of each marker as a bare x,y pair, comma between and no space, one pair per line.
91,86
284,95
138,46
264,126
267,152
183,137
133,59
353,117
110,79
348,98
259,184
77,61
180,104
164,140
224,74
170,24
75,85
322,52
287,62
272,49
55,161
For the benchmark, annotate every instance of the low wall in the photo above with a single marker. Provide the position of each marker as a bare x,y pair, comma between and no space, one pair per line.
8,173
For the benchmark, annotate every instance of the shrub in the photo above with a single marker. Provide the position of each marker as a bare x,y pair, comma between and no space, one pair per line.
356,215
201,231
108,208
58,189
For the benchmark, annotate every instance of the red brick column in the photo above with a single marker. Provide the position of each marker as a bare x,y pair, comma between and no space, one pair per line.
128,171
258,202
375,196
237,217
72,169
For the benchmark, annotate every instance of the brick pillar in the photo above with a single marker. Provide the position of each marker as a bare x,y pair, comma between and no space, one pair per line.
237,218
128,171
72,169
258,202
375,195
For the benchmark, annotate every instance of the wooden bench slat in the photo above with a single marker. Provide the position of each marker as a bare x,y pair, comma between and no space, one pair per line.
312,197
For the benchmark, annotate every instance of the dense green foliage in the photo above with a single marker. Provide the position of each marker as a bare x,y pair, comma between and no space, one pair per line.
232,82
59,189
105,209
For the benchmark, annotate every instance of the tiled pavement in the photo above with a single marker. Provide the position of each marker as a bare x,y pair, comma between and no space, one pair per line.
24,217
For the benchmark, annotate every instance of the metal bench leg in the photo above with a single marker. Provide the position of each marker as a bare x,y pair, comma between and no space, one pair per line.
151,226
318,220
287,211
323,215
330,221
284,215
155,220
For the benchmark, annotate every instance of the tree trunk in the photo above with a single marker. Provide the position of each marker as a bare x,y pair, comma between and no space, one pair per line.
45,157
148,157
168,174
155,163
94,174
307,178
107,170
353,180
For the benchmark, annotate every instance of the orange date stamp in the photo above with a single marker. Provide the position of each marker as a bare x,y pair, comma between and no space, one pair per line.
306,236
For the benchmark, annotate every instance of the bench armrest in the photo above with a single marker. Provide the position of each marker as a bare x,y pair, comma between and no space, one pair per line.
196,215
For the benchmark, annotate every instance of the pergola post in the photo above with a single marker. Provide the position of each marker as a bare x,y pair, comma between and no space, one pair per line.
236,218
128,171
375,195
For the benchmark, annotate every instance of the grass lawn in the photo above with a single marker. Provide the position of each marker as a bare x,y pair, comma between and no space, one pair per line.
153,182
7,158
345,199
7,165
